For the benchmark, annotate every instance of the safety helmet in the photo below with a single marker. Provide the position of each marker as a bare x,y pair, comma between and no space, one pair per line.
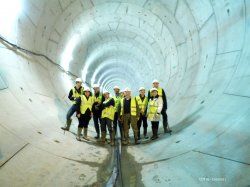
96,86
141,88
155,81
127,90
116,87
105,92
78,80
153,89
86,89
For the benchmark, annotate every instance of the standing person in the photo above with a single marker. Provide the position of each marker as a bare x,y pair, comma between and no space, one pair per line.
84,113
142,101
108,112
129,115
117,99
162,94
155,106
74,94
97,111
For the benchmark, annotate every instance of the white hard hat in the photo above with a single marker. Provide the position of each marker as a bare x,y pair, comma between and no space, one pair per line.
141,88
105,91
96,86
127,90
153,89
116,87
78,80
155,81
86,89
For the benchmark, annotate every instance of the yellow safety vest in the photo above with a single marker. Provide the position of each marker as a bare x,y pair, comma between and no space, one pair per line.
76,94
86,103
142,104
152,111
99,98
117,102
132,107
159,92
108,112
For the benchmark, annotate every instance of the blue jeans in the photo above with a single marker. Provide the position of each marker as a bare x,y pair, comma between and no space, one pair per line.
71,111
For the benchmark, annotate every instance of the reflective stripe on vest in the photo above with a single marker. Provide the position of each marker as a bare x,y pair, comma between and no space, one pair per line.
108,112
117,102
153,106
76,94
86,104
132,106
142,104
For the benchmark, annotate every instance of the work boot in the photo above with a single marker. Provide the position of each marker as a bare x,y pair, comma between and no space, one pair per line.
136,139
156,131
112,142
78,137
68,123
167,129
139,135
137,142
98,136
145,133
103,137
154,134
85,133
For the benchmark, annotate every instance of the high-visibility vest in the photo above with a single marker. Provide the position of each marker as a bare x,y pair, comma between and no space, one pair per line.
159,92
108,112
132,106
76,94
99,98
117,102
86,103
142,104
152,110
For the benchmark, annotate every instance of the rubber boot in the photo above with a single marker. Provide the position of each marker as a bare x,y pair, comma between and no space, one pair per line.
68,123
166,128
139,135
78,137
169,130
97,136
154,133
136,138
85,134
112,138
125,139
103,137
145,132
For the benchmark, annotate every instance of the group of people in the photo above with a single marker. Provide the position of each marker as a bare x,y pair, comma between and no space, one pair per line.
122,110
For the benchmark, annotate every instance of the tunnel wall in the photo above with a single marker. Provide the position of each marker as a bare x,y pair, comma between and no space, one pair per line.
199,51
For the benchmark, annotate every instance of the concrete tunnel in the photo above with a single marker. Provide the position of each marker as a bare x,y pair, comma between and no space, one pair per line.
199,51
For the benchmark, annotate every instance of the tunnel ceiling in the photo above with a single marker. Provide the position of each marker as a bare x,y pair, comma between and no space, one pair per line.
142,36
198,49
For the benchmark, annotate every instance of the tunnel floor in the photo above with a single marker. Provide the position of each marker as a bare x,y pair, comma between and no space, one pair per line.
197,49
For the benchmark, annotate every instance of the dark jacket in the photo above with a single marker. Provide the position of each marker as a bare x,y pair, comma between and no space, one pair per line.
111,102
70,96
97,108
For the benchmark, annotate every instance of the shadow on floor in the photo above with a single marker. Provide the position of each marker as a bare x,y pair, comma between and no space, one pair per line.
187,121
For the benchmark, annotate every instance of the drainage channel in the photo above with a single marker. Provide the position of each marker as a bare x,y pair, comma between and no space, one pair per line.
125,169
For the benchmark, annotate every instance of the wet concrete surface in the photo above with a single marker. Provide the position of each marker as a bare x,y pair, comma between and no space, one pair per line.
131,170
199,51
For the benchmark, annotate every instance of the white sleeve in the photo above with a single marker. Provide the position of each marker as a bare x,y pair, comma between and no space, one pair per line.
160,104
